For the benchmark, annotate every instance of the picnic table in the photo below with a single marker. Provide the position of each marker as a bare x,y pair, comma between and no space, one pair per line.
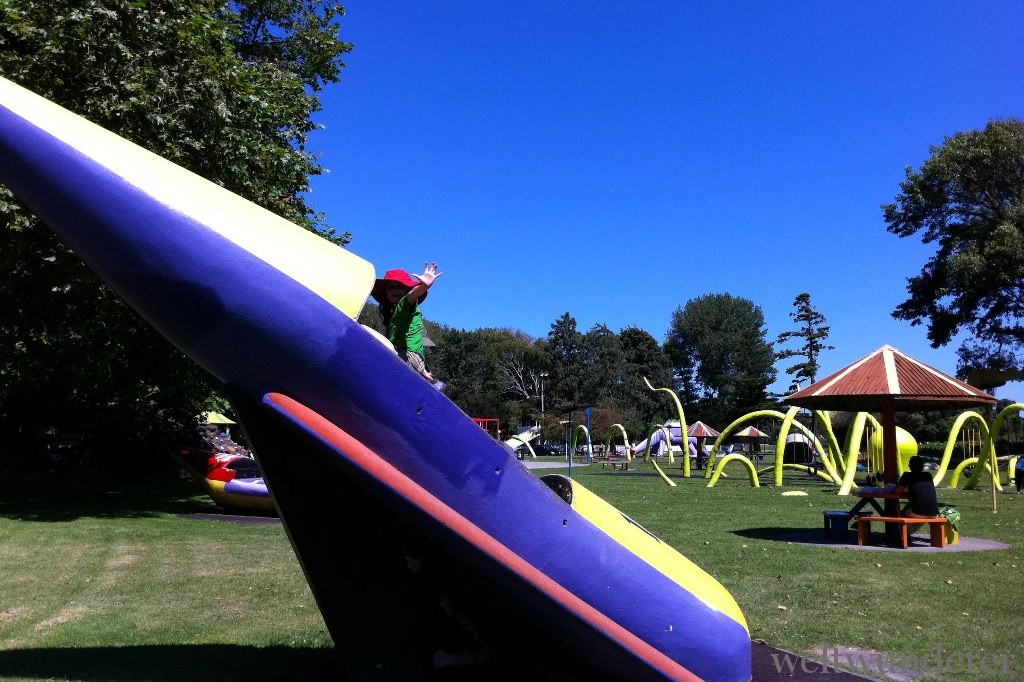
896,524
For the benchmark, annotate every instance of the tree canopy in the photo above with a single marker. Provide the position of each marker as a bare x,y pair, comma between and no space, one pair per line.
720,357
968,200
227,90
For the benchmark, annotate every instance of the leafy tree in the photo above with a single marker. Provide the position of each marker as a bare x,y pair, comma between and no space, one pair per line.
565,346
225,90
643,358
813,331
602,366
968,199
490,373
720,357
461,359
986,366
521,361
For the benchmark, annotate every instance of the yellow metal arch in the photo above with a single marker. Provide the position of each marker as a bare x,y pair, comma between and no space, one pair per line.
732,428
661,473
590,447
853,438
736,457
954,478
988,448
831,452
625,440
947,453
788,422
682,428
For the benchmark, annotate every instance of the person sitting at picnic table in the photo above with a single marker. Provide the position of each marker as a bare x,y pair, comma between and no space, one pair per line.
920,490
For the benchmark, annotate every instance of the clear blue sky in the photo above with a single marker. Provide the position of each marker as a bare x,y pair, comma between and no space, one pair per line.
615,160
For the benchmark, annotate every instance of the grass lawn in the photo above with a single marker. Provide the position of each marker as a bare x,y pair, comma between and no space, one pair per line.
800,597
102,580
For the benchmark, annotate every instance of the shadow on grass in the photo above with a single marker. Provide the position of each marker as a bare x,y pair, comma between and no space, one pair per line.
231,663
776,533
48,499
221,662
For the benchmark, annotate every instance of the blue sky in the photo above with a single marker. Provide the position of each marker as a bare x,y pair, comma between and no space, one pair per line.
615,160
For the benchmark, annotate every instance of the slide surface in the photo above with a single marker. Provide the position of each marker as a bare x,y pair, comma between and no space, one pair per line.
421,550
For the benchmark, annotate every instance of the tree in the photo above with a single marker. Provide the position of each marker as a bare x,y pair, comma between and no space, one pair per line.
490,372
227,90
986,366
602,367
643,358
720,357
968,199
565,346
813,331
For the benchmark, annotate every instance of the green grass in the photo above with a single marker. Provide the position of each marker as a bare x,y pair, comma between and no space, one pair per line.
102,580
799,597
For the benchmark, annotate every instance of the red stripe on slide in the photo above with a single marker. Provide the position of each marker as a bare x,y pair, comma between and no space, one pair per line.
384,472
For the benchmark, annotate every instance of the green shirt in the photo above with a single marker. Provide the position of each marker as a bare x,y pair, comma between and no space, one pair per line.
405,331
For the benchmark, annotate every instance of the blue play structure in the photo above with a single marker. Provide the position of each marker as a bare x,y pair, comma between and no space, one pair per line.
424,541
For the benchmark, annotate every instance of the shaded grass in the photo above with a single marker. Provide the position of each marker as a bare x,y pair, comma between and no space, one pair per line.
102,580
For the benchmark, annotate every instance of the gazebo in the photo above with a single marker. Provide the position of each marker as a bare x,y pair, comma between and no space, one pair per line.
888,381
700,432
753,434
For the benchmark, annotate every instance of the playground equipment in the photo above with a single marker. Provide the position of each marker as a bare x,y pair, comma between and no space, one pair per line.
490,425
986,458
609,441
524,438
828,472
588,448
906,447
666,440
234,482
408,519
682,426
226,470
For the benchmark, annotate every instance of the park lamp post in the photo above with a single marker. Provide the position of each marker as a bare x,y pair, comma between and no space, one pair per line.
565,423
568,448
543,376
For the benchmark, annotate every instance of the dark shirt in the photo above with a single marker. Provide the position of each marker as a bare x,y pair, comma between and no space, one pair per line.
922,493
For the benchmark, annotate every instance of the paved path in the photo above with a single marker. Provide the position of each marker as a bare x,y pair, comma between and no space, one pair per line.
769,664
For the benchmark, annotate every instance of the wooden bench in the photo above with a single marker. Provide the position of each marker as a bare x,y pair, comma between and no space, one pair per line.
615,464
936,525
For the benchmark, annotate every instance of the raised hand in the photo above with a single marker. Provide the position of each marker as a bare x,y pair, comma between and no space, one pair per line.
430,273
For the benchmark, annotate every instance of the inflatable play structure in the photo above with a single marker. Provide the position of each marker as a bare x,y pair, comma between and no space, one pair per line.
658,444
423,540
227,471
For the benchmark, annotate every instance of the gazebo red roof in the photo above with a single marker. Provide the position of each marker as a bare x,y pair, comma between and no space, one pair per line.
888,377
750,432
701,430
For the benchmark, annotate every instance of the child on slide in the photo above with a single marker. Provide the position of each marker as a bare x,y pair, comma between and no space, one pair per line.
399,296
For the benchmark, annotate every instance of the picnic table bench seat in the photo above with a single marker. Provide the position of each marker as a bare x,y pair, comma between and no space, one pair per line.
936,526
616,463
